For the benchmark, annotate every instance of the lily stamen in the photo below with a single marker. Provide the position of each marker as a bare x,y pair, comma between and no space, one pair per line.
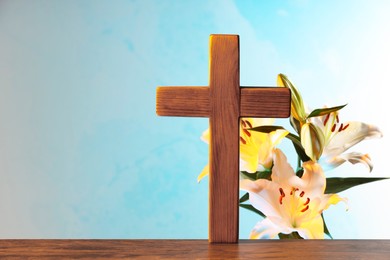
249,124
247,132
293,190
326,119
345,127
282,195
305,208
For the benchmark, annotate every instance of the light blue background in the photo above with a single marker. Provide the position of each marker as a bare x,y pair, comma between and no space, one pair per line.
82,153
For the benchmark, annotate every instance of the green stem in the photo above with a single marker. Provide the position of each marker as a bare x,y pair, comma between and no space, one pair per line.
299,170
299,163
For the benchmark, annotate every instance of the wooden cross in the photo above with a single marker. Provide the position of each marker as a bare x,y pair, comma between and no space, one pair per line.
224,102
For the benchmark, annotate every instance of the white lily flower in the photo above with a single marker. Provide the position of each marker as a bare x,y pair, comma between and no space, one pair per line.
338,137
290,203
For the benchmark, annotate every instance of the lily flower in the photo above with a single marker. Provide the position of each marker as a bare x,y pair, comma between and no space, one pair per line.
290,204
256,148
324,138
336,138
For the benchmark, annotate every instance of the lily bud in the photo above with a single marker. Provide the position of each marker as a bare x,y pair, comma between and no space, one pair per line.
312,140
297,106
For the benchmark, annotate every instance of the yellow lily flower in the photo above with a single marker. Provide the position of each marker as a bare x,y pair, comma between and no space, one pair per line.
290,204
256,148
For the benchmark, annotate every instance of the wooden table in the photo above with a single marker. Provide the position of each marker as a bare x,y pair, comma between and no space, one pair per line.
194,249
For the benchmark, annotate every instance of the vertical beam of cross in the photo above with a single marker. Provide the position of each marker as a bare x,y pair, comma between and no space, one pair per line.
224,102
224,131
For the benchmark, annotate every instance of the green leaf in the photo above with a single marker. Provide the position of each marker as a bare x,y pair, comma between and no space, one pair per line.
326,231
335,185
270,128
257,175
301,152
266,128
251,176
293,138
324,111
263,175
293,235
251,208
244,198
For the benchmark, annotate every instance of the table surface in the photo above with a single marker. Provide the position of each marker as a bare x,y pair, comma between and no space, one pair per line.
192,249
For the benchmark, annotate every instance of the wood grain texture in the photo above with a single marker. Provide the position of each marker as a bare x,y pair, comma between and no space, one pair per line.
183,101
224,138
270,102
194,249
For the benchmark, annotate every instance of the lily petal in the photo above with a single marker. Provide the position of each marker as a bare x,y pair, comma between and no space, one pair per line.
354,133
313,178
249,151
313,229
282,172
261,196
204,173
264,229
267,146
332,199
353,158
206,136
